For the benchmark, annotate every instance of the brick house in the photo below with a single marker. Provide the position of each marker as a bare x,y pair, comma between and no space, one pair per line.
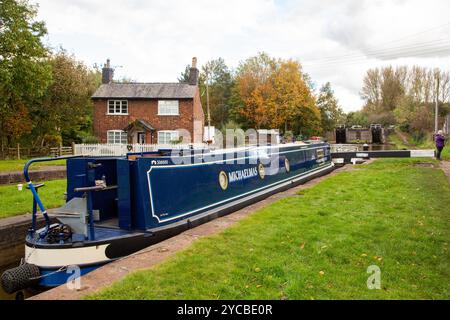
148,112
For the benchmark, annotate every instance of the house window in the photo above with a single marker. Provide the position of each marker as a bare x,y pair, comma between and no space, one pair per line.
117,107
166,137
117,137
168,108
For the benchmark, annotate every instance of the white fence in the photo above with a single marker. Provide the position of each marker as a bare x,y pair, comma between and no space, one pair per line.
109,149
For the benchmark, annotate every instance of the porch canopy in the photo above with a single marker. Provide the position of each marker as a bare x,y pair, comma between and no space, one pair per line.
139,127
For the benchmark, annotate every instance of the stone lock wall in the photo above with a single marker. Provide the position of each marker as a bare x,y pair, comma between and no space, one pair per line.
12,237
39,175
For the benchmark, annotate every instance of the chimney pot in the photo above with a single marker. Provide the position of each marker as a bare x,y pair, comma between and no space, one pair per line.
107,73
193,73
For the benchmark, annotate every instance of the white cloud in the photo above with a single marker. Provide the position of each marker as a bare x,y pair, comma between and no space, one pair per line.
154,40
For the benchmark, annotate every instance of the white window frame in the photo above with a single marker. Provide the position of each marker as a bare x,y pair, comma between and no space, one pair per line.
117,103
174,135
121,139
166,104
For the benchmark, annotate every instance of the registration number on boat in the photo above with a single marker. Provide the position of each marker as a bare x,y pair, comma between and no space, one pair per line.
159,162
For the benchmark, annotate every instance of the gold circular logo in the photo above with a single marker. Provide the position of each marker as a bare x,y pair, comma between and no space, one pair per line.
261,171
287,165
223,180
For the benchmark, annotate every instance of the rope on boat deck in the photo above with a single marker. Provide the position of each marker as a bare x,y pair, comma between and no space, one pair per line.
23,260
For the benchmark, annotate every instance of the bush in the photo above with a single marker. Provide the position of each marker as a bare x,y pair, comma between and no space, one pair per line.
177,141
404,127
231,125
90,140
418,137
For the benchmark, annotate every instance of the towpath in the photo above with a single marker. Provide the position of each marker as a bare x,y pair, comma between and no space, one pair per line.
445,166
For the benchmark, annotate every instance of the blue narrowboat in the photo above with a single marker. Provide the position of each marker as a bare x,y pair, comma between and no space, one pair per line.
116,206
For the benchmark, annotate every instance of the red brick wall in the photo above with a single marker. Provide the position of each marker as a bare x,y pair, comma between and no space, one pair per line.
147,109
199,118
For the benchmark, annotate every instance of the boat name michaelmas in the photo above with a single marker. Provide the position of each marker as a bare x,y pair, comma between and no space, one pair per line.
239,175
226,309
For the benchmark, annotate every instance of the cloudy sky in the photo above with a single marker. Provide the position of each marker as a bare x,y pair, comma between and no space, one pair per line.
335,40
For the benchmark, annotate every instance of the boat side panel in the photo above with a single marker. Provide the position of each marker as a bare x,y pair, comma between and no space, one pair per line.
177,191
124,194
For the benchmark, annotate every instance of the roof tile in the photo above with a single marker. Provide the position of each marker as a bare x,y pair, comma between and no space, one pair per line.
145,90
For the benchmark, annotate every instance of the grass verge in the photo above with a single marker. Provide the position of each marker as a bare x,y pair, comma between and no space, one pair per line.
427,143
319,245
14,202
17,165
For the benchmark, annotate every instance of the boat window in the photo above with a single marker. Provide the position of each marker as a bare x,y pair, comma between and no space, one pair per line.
319,153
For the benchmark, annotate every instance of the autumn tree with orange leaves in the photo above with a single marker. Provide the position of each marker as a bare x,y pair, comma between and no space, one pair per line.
273,93
252,91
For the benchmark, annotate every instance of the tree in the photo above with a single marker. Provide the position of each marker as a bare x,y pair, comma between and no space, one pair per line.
65,111
24,73
184,76
293,105
251,90
405,95
274,93
356,118
330,111
220,82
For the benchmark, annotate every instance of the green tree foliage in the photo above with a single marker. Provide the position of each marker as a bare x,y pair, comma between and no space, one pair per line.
184,76
220,82
330,111
357,118
65,111
24,73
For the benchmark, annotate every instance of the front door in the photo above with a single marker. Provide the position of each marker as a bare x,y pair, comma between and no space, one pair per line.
141,137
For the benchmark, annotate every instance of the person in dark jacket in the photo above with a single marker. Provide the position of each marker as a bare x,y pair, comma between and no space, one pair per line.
440,142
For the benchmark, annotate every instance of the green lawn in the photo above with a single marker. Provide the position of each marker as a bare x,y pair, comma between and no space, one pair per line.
14,202
17,165
319,244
